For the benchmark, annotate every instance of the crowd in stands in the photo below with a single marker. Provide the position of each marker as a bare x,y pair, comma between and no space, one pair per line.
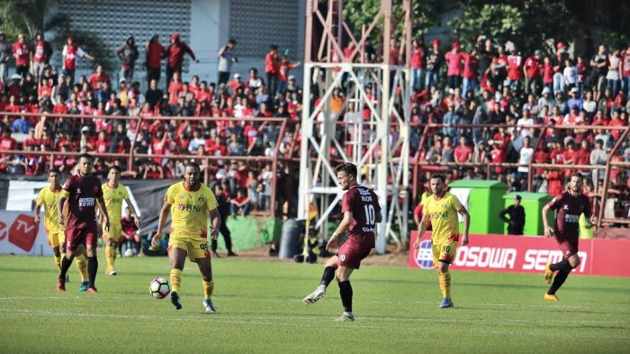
488,83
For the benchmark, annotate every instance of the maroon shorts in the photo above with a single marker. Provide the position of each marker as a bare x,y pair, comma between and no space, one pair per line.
354,250
81,236
568,244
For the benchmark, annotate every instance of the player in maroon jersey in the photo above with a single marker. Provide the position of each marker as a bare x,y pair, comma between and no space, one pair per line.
361,212
568,207
82,192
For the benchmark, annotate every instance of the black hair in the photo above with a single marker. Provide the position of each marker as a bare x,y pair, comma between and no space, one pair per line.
116,168
348,168
440,177
86,156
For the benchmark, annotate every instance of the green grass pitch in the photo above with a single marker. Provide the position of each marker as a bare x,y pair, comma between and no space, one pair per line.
260,311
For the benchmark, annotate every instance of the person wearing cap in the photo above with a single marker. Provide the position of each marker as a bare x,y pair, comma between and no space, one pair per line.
516,219
226,59
283,73
128,54
175,56
235,83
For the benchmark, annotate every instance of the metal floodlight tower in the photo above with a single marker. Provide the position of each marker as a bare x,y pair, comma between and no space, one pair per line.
374,133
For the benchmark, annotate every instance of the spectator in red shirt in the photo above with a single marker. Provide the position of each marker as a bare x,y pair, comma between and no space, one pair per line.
97,77
69,56
154,54
42,51
463,152
175,56
617,121
22,55
240,204
453,60
283,73
417,65
272,67
469,74
531,69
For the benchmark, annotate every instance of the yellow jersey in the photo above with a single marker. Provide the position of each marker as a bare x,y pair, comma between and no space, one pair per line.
50,201
443,215
113,198
189,210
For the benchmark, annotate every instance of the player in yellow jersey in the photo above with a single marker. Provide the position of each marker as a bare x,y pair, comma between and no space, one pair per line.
441,208
49,197
189,202
113,194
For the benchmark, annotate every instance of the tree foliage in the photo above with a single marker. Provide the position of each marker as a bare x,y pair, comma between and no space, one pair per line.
359,13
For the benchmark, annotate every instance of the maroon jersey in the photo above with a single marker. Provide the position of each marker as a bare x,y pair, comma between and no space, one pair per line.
363,204
83,191
568,209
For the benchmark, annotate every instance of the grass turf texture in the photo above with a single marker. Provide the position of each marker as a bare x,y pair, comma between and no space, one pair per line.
260,311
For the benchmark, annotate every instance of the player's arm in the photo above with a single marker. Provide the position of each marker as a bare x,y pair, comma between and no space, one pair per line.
422,226
161,221
103,210
503,214
545,214
590,218
341,229
61,204
462,210
38,208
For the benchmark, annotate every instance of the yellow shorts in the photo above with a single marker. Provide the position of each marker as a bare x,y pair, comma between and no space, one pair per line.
444,251
56,239
196,247
114,233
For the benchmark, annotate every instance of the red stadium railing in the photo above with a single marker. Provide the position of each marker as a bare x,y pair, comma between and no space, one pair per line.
131,156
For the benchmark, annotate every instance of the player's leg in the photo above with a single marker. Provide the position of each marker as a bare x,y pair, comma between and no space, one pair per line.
110,254
563,268
443,254
207,283
71,243
227,238
53,241
327,276
92,261
345,292
177,256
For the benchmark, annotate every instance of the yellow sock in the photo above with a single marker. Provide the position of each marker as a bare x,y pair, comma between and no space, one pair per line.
82,267
109,257
445,284
58,262
208,288
176,279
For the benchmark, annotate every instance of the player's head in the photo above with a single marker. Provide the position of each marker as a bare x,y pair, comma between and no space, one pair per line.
346,174
86,164
114,175
53,178
575,184
517,200
437,184
192,174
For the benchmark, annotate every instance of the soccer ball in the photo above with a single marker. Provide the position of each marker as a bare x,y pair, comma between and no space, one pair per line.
159,288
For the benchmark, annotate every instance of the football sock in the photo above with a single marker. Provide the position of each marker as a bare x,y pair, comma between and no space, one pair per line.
82,267
208,288
214,245
558,280
65,264
445,283
562,265
92,267
328,276
58,262
176,279
109,257
345,290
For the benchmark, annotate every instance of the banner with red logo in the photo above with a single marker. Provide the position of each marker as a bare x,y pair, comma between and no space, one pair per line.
500,253
20,235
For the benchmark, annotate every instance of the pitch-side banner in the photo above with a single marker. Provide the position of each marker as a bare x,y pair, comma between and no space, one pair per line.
500,253
21,236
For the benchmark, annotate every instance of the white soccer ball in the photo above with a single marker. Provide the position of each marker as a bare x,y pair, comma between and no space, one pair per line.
159,288
129,253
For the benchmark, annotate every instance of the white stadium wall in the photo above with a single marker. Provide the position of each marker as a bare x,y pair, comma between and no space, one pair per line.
205,24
